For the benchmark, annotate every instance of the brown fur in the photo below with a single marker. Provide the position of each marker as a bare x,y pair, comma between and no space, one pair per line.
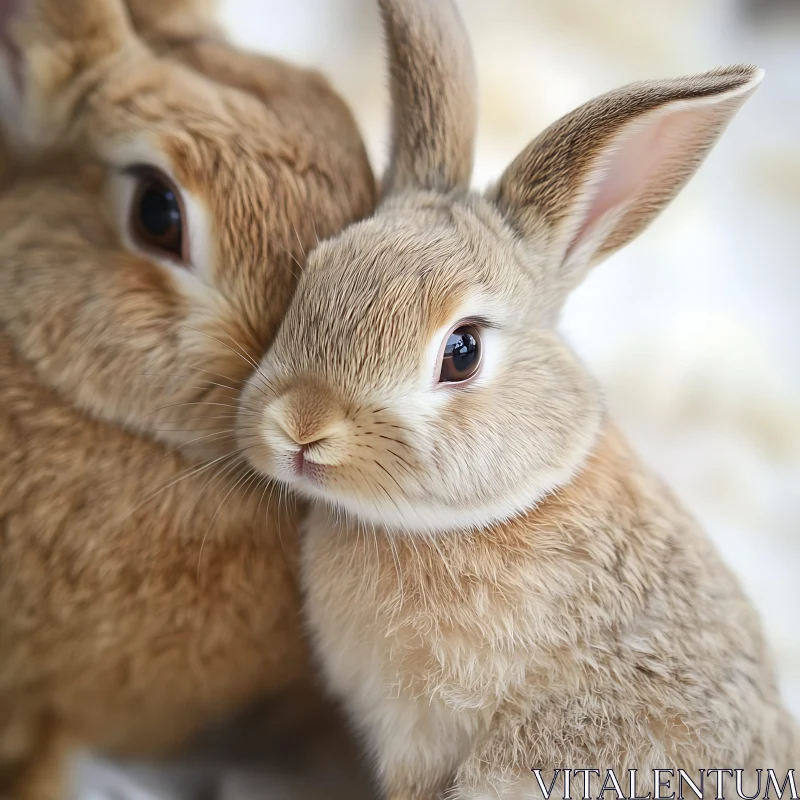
493,582
159,20
145,593
125,611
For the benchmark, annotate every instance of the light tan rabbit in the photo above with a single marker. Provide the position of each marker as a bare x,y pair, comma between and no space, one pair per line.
493,582
152,210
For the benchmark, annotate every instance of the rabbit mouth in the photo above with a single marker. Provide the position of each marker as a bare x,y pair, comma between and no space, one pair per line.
303,467
305,470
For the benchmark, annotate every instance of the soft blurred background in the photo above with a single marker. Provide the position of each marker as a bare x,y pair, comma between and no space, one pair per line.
694,330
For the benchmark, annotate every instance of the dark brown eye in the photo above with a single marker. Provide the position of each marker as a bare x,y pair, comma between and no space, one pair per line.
157,215
462,355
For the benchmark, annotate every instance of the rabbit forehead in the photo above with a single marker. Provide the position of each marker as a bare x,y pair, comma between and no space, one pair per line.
425,261
178,107
388,286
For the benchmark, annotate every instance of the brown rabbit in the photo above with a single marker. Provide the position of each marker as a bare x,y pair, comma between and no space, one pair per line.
494,583
152,211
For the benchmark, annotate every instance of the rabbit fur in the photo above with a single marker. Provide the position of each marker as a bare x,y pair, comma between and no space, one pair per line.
147,581
493,582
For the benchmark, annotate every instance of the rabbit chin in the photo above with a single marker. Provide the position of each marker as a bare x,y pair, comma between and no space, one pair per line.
401,513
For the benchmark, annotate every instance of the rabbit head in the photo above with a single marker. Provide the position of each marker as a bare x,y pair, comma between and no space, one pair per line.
418,381
158,189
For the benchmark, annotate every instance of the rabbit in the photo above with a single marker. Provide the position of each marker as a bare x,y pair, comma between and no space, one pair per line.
158,189
493,583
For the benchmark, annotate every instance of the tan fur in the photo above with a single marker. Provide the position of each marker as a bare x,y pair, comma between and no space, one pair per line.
493,582
157,20
421,51
130,618
145,593
600,629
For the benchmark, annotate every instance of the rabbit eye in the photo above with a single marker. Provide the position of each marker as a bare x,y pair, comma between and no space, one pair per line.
156,220
462,354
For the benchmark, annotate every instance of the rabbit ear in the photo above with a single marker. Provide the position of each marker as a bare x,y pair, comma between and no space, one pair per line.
432,86
51,53
173,19
596,178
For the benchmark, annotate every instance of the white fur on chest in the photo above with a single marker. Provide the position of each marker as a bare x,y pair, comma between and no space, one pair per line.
383,668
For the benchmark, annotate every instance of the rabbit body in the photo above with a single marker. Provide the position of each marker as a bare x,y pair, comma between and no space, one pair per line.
600,630
127,624
493,583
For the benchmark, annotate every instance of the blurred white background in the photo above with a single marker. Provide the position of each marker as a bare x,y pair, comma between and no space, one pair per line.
694,330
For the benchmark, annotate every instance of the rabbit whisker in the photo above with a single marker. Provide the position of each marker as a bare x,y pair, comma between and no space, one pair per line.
203,388
222,504
300,243
289,253
190,403
241,352
186,474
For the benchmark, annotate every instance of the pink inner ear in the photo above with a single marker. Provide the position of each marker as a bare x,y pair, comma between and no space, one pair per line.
643,162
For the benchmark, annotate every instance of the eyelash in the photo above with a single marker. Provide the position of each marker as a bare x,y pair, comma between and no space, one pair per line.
482,323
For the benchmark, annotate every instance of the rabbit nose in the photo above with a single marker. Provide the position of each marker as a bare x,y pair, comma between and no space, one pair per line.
308,415
304,436
301,432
